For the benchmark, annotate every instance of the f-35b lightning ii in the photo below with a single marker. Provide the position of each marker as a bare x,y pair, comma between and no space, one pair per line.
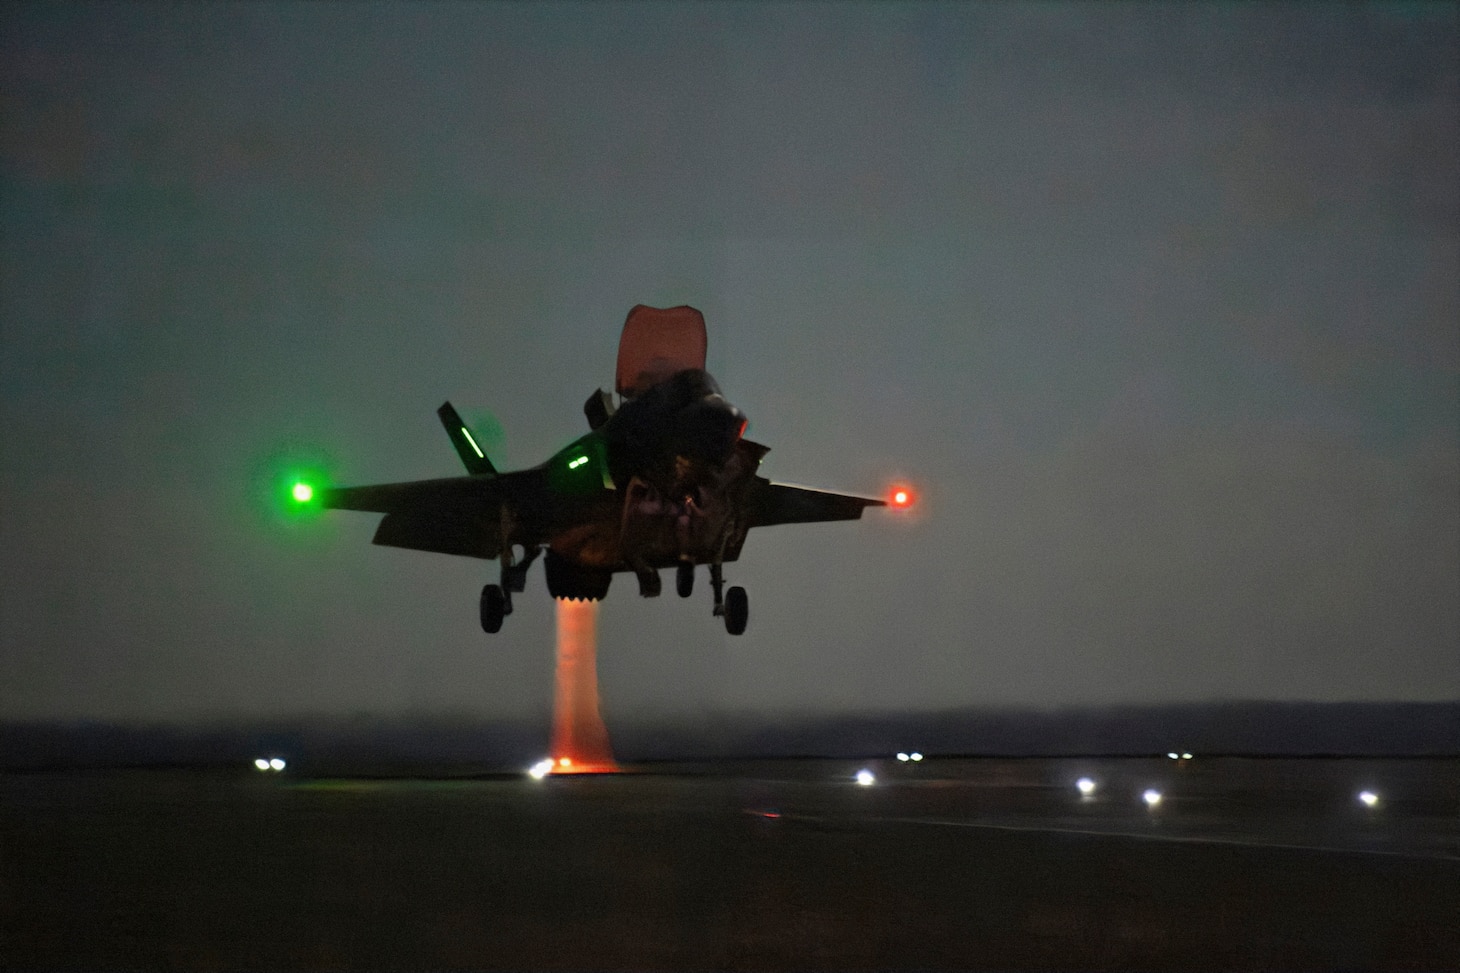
663,479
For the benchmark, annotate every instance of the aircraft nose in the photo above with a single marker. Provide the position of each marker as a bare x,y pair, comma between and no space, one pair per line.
710,428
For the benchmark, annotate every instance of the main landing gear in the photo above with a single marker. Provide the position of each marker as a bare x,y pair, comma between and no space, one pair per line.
732,605
496,605
737,610
565,580
497,598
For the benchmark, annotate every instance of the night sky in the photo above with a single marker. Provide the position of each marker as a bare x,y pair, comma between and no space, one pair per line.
1158,304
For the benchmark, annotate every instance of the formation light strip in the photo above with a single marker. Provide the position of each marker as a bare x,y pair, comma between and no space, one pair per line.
467,433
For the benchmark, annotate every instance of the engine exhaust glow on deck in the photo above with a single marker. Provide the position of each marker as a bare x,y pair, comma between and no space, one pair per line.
580,740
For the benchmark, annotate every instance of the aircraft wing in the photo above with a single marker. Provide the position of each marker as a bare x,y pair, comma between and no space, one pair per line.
457,492
459,515
785,503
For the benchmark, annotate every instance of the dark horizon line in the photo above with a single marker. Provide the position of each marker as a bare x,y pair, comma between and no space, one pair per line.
1246,729
474,770
449,716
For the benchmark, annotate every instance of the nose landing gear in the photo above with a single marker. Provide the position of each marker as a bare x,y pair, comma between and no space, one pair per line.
649,584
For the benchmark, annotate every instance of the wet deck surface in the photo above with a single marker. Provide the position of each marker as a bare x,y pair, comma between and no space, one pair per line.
995,864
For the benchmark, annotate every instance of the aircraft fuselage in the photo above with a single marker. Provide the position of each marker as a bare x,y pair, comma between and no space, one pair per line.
658,484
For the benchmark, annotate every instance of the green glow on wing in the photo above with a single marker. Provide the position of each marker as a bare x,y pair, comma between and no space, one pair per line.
467,433
303,492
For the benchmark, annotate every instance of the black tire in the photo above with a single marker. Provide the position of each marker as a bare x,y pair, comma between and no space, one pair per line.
494,609
684,579
737,610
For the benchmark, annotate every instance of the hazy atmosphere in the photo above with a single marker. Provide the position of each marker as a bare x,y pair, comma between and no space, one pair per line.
1156,304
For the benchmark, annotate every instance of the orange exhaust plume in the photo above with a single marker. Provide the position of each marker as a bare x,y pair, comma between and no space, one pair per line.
580,740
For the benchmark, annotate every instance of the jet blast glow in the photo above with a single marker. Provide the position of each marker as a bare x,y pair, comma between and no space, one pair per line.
580,740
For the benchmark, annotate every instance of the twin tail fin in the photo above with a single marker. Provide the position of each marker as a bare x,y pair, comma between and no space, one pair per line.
467,448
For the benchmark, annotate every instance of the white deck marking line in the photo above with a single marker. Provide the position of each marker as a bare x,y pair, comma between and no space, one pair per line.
1185,839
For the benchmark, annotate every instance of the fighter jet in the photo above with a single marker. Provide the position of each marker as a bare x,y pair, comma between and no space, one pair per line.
664,478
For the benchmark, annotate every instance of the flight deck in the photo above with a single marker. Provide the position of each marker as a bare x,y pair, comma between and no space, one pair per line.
1171,863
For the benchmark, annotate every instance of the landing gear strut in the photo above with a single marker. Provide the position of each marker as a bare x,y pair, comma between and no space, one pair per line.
514,575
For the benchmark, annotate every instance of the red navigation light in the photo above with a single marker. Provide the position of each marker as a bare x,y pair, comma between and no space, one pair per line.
900,497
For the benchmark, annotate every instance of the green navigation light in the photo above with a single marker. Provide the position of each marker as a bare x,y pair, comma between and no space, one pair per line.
467,433
574,464
290,487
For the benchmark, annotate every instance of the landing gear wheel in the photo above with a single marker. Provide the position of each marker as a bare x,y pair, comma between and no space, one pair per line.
494,608
684,579
737,610
650,585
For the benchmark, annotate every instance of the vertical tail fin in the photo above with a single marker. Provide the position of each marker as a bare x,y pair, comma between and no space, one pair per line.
471,454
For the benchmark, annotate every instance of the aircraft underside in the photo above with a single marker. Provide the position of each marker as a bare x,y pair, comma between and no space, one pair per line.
683,517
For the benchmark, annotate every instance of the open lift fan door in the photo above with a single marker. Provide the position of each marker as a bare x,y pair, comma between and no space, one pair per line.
656,343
